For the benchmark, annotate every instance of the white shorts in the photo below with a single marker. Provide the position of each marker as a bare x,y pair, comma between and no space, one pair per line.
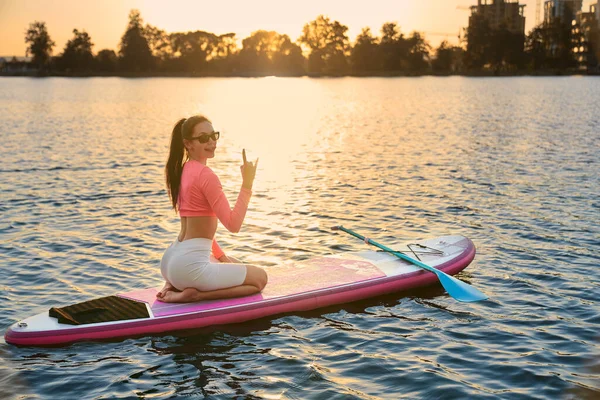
189,264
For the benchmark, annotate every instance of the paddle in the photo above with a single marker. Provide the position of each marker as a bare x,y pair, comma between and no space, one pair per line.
460,290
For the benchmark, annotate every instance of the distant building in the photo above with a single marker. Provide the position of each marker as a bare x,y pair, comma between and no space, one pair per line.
587,30
16,66
561,9
500,13
584,29
590,19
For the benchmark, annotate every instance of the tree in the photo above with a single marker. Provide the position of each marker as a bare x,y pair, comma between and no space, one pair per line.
390,33
328,44
393,48
497,49
40,44
77,55
226,46
288,59
535,48
267,53
107,61
257,52
549,46
507,50
223,55
159,42
193,50
363,56
135,54
418,53
448,59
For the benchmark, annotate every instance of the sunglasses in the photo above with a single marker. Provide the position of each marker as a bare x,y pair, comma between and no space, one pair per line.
205,137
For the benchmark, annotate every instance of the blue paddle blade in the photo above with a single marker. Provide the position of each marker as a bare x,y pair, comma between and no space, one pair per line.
460,290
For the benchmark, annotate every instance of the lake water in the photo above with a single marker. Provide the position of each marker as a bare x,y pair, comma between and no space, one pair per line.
512,163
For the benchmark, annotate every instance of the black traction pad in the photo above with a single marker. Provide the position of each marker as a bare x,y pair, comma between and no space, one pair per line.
104,309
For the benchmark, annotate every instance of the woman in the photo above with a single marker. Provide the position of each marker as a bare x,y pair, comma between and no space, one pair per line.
196,193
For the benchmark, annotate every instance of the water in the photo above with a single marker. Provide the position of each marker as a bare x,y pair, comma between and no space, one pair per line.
511,163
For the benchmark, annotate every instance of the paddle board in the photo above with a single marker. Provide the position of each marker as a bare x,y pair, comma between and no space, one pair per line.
292,287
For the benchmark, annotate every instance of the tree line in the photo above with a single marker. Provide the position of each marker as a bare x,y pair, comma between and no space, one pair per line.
323,49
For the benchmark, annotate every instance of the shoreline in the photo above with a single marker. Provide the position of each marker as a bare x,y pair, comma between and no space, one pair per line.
253,75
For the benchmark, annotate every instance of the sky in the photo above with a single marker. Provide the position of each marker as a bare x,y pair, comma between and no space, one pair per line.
105,21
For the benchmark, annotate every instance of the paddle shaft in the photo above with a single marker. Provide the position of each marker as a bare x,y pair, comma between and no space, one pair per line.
384,248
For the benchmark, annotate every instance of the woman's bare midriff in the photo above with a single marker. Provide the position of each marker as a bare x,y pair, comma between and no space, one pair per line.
197,227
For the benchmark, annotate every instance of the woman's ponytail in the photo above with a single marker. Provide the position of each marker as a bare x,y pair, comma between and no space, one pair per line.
174,166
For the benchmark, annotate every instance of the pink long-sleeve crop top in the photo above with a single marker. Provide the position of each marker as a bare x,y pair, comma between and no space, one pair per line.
201,195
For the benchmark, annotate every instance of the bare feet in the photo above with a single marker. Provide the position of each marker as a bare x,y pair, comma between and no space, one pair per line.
167,288
188,295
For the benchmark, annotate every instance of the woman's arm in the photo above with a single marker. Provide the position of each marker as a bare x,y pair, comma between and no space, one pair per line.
231,219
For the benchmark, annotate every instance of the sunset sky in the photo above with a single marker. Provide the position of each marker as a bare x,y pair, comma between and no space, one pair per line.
105,20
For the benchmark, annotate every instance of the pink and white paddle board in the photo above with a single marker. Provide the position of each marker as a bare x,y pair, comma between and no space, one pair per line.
292,287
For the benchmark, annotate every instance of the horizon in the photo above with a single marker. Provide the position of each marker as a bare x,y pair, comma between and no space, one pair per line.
438,20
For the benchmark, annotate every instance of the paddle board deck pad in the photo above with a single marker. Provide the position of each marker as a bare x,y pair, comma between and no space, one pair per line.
292,287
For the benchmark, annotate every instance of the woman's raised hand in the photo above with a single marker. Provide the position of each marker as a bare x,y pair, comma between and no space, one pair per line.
248,171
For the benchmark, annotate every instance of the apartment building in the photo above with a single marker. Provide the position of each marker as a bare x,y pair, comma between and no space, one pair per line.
500,13
561,9
587,47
